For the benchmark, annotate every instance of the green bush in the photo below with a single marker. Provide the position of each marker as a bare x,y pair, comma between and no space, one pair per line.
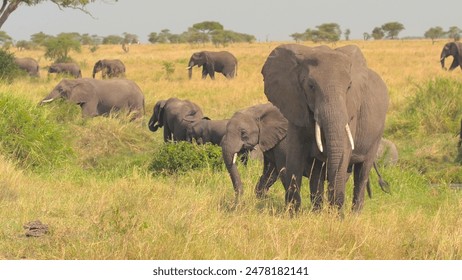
8,68
183,156
435,108
28,136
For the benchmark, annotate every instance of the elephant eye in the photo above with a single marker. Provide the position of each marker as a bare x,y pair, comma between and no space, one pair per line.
244,135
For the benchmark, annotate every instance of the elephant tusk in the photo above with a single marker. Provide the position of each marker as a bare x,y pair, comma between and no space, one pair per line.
48,100
318,137
234,158
350,137
188,68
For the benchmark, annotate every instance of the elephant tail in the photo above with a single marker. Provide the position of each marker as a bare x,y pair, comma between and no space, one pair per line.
382,183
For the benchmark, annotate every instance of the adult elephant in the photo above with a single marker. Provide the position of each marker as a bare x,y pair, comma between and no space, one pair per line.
222,62
71,69
100,97
110,68
174,115
453,49
206,130
29,65
261,125
336,108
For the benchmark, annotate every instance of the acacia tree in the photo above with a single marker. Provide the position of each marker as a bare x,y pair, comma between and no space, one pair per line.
9,6
434,33
392,29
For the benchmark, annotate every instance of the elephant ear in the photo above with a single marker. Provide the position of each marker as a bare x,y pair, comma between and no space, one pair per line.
80,92
456,48
273,127
282,86
159,112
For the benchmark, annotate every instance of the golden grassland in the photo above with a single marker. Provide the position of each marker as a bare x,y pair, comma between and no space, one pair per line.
105,207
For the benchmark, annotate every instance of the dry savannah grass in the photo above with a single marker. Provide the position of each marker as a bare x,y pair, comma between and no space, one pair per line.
101,202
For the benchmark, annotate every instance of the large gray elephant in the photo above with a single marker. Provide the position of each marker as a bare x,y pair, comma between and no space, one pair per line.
100,97
453,49
261,125
29,65
71,69
222,62
206,131
174,115
110,68
336,108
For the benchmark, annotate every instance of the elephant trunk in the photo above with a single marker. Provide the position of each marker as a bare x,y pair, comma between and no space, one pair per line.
153,125
229,157
190,66
333,123
443,57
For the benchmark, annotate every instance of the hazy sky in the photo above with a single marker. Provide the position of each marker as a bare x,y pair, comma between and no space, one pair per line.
274,20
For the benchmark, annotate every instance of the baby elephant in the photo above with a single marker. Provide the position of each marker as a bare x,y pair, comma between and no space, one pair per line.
71,69
206,131
100,97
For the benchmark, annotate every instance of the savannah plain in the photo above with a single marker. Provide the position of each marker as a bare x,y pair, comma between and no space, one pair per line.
101,201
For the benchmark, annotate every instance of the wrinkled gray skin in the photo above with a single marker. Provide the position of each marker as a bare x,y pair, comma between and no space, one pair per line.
174,115
261,125
387,153
332,90
29,65
110,68
452,49
222,62
206,131
100,97
71,69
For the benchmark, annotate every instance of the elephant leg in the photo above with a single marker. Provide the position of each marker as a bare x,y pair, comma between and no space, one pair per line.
267,179
295,164
361,179
317,178
167,134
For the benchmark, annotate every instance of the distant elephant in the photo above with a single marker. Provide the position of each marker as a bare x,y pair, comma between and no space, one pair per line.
387,153
206,130
29,65
110,68
454,49
261,125
222,62
336,108
100,97
174,115
66,68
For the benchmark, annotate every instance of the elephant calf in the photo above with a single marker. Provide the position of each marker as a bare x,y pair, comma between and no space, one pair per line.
206,131
110,68
71,69
100,97
174,115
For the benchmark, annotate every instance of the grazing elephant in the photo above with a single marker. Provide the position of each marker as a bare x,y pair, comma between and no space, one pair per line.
29,65
261,125
336,108
66,68
454,49
175,115
97,97
222,62
206,131
109,68
387,153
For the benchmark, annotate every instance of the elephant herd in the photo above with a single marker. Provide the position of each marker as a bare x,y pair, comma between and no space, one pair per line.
325,119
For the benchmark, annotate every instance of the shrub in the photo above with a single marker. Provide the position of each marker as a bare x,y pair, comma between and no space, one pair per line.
28,136
435,108
183,156
8,68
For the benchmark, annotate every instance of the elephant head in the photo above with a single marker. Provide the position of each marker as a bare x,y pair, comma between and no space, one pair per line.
99,66
261,125
156,120
333,96
197,59
73,90
454,49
